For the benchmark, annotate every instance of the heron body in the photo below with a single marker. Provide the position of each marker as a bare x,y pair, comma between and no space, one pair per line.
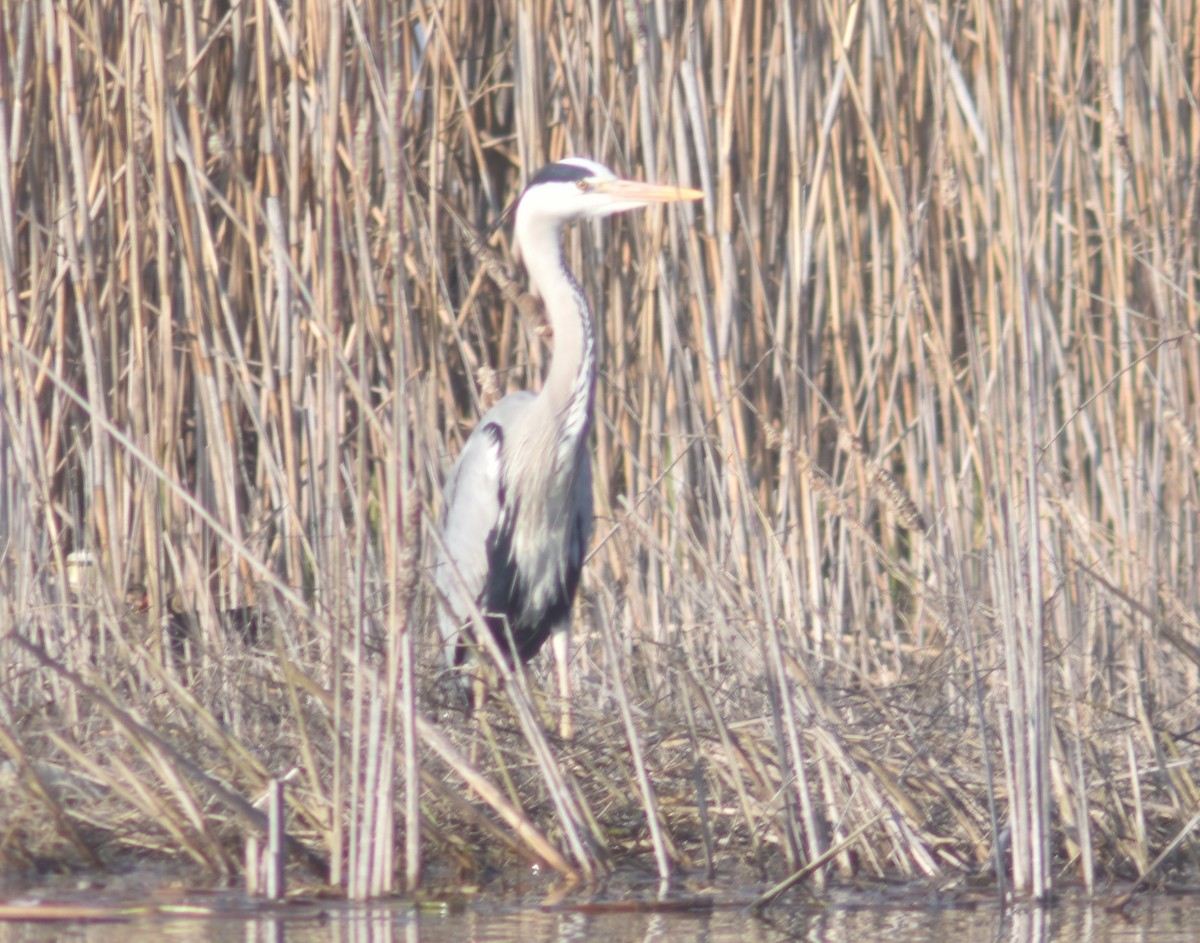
517,516
520,560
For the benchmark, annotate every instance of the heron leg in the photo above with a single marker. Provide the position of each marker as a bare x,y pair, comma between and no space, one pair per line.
560,641
479,692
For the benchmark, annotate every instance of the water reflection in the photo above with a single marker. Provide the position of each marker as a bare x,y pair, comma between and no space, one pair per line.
1161,919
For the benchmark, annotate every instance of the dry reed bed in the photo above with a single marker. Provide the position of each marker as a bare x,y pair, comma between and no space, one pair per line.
897,474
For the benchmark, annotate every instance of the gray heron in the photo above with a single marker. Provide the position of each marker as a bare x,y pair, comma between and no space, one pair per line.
517,516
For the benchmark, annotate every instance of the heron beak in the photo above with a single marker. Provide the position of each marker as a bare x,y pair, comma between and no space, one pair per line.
635,191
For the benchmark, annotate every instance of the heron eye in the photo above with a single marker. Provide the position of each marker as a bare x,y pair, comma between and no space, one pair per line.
583,185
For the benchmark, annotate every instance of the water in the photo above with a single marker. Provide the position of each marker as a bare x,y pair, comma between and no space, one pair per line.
840,918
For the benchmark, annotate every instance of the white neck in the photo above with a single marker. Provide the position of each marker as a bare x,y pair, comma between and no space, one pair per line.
566,396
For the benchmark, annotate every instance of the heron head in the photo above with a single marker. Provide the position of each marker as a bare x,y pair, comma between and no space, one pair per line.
577,188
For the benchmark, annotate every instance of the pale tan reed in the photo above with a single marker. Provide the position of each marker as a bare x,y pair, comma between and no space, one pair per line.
896,464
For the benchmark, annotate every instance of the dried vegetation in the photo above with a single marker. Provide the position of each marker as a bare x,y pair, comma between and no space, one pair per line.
898,484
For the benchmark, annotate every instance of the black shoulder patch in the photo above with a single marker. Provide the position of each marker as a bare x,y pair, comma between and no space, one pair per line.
493,429
496,434
561,172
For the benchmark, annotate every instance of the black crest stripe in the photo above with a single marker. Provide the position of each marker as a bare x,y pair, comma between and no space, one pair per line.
560,173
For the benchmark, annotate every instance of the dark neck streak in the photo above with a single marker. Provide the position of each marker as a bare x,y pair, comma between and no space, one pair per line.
568,393
576,413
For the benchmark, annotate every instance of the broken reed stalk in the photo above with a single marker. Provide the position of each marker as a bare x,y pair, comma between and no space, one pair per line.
241,326
772,895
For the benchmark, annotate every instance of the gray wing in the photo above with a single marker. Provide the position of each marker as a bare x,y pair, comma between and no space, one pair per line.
474,495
